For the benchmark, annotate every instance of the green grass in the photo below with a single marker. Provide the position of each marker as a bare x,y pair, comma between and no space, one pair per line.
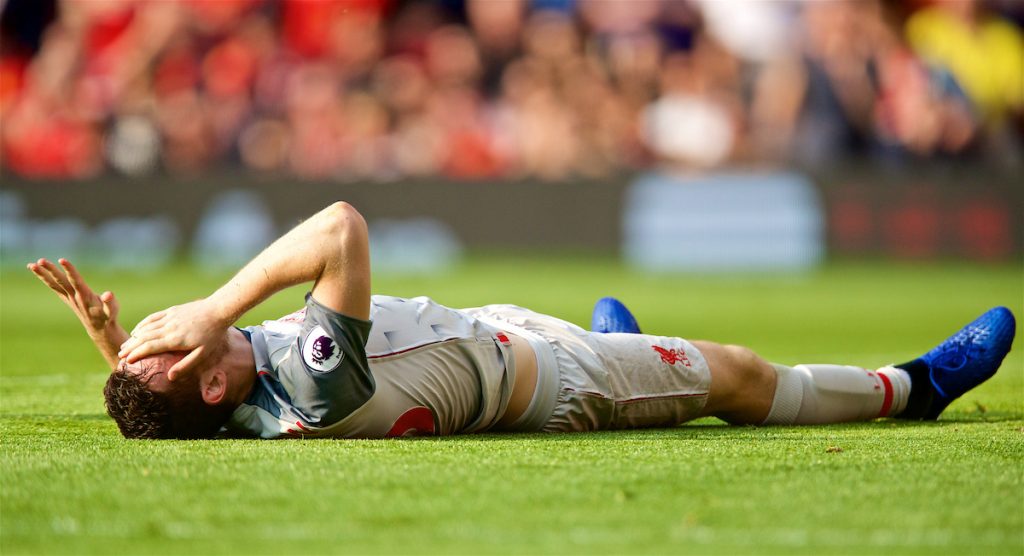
71,484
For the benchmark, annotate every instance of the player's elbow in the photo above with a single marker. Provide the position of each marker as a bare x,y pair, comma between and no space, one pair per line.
342,220
342,224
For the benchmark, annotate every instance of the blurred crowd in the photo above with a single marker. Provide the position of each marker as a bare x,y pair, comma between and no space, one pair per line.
476,89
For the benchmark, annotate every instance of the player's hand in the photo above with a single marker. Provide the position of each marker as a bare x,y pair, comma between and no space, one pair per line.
98,313
193,327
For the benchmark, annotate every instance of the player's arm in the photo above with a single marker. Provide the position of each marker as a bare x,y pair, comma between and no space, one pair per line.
97,313
330,248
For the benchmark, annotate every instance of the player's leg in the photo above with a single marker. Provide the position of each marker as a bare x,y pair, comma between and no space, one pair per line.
744,390
663,381
743,386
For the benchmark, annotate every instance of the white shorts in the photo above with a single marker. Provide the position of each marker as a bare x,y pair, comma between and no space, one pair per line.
590,381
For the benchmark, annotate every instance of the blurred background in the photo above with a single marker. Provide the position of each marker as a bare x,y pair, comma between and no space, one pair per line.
680,134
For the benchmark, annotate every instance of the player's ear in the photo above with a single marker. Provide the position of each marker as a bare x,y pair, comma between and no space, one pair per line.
213,386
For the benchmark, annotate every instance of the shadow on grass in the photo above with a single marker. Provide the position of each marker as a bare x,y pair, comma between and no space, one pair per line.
701,431
706,429
696,432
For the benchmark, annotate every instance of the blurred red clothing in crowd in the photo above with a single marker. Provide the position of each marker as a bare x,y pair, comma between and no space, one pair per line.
472,89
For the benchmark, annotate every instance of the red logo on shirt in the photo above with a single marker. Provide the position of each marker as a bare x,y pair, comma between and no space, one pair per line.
414,422
672,356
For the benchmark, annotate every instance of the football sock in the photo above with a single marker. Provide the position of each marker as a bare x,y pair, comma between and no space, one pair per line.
920,399
819,394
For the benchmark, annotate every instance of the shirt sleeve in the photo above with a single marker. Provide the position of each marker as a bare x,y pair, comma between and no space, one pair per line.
327,367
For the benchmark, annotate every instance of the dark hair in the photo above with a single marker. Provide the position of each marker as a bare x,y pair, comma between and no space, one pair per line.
180,412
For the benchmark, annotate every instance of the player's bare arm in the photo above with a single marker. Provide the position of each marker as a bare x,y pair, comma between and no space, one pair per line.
97,313
330,248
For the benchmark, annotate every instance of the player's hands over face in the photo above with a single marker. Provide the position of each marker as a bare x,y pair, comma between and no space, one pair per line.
98,313
192,327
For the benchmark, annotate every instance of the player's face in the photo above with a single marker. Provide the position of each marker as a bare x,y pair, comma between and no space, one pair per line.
154,369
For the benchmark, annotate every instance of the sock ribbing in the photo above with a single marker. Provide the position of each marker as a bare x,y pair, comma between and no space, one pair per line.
789,394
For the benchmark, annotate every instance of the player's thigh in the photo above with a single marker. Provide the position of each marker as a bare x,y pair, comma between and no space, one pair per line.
653,380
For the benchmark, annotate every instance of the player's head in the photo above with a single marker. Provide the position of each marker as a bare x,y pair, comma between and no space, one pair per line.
147,405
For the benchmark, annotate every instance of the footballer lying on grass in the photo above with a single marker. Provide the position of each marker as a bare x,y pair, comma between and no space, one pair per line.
355,365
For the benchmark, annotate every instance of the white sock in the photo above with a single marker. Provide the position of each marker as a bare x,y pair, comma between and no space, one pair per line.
820,394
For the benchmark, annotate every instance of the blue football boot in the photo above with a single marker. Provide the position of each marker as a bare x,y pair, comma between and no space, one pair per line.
963,361
610,315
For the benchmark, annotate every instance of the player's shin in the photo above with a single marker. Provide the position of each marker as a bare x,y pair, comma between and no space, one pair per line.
819,394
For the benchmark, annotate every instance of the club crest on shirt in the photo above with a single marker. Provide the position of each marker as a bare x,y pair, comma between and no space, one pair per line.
320,352
672,356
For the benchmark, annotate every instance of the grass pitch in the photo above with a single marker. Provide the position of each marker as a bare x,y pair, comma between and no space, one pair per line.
70,484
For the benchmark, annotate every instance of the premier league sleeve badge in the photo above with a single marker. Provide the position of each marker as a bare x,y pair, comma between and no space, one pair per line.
320,352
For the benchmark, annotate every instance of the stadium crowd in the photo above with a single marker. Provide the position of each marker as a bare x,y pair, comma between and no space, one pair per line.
383,89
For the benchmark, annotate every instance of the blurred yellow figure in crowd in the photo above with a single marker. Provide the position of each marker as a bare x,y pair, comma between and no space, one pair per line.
982,51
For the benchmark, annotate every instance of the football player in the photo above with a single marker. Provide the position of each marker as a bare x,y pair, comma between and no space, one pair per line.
354,365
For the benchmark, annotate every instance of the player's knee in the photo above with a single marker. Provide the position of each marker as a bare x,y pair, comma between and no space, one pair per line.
739,381
748,367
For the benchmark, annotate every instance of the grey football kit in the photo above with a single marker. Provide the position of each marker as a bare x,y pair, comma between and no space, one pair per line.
419,368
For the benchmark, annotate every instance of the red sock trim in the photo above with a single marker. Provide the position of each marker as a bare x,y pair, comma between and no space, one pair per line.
887,401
